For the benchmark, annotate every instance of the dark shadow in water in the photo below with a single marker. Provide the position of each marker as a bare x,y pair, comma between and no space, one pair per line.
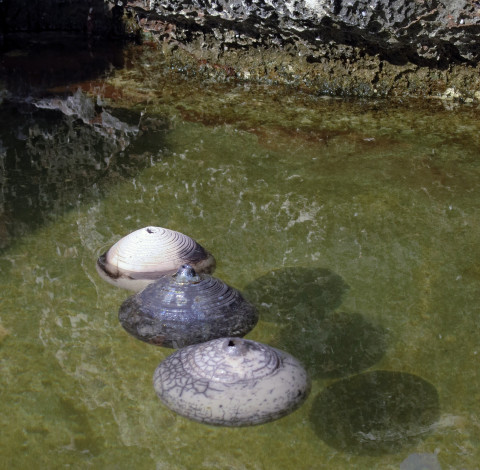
293,294
336,345
89,17
59,152
375,413
58,146
36,64
302,300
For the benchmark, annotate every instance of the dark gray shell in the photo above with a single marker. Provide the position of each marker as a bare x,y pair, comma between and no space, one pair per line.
186,308
231,382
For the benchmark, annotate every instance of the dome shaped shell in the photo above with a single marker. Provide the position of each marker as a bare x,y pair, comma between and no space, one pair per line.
186,308
143,256
231,382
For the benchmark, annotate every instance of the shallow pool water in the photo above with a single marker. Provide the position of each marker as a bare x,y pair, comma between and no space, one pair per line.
352,226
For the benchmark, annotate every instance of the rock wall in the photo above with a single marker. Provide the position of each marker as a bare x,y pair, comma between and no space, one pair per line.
338,47
428,32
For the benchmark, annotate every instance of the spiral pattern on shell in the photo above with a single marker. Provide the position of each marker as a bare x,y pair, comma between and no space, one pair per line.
186,308
231,382
232,361
149,253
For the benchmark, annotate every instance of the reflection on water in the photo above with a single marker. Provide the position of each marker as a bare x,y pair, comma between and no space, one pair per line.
61,151
352,226
375,412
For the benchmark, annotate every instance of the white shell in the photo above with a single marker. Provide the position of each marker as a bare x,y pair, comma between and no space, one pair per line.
143,256
231,382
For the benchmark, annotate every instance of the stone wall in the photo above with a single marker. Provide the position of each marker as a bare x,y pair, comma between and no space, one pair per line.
426,32
338,47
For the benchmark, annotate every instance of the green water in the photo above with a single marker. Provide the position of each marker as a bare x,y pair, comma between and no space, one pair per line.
353,227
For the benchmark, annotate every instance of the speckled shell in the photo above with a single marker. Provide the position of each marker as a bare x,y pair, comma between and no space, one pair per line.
149,253
231,382
186,308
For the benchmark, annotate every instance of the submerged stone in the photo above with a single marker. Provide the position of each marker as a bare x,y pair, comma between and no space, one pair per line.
421,462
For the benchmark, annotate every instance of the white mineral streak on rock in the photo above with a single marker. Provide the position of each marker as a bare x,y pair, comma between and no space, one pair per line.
316,6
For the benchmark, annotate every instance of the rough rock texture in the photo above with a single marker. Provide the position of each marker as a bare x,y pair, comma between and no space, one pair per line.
336,47
422,32
346,47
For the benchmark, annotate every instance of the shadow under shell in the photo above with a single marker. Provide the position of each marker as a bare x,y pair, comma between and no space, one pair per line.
336,345
374,413
292,293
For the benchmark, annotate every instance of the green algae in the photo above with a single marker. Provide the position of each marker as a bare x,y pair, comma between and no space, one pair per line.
336,70
376,205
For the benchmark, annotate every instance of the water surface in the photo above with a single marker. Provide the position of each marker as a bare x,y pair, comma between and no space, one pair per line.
352,226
